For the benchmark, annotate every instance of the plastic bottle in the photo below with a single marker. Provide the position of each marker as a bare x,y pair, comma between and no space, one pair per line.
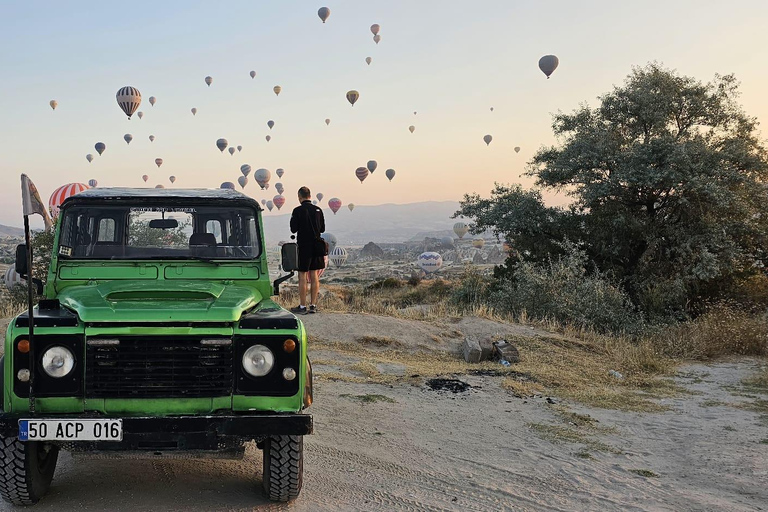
505,362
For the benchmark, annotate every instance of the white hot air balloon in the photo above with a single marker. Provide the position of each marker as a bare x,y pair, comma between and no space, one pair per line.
262,177
12,278
53,104
338,256
430,262
129,99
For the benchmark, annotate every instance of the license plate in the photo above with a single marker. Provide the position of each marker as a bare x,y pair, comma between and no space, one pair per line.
70,430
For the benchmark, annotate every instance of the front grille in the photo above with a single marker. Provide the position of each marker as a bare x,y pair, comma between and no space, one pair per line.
157,367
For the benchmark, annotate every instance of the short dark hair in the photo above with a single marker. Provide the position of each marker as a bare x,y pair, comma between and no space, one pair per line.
304,193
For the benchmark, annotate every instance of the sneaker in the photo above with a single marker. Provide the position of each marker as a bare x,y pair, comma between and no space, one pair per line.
299,310
313,308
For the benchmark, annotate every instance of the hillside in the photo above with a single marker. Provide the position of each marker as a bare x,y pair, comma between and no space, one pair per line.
9,231
379,223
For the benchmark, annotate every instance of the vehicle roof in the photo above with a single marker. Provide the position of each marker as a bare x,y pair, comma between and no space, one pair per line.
171,195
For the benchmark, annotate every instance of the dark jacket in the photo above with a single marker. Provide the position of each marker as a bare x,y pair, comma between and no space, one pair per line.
301,223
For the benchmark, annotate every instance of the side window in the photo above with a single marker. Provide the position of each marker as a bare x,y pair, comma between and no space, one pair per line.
213,226
106,230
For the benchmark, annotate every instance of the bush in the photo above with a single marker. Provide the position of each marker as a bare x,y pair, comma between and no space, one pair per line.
562,289
472,289
386,284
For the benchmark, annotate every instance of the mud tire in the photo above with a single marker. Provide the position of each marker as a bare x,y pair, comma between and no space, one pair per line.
26,470
283,467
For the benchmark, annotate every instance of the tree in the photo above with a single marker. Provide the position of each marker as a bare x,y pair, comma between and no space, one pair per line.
667,177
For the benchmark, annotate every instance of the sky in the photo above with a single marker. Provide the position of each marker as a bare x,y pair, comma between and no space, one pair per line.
449,61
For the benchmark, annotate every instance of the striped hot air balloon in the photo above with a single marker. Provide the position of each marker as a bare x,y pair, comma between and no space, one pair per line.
478,243
12,278
61,193
361,173
338,256
129,99
334,204
93,183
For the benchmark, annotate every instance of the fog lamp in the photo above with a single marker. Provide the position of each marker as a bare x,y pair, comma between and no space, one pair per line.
289,374
23,375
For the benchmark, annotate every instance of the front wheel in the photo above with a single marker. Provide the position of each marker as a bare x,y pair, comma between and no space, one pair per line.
26,470
283,467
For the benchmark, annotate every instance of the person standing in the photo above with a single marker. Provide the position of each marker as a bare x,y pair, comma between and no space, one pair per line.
308,222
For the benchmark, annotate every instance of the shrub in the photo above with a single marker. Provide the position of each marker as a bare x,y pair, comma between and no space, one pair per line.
562,289
472,289
384,284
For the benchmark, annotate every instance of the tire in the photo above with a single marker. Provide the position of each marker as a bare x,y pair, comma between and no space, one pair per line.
283,467
26,470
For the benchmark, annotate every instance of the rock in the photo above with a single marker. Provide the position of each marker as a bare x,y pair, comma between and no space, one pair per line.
472,351
504,350
371,250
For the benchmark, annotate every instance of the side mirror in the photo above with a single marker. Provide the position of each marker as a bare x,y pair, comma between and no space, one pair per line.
289,257
21,260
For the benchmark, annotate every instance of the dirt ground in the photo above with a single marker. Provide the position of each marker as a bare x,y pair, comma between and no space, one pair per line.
405,446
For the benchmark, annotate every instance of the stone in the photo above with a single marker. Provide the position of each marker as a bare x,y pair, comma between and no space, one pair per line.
506,351
472,351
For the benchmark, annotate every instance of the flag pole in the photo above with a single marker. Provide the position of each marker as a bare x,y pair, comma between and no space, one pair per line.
31,316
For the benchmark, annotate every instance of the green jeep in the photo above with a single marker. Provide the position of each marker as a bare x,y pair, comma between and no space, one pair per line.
157,337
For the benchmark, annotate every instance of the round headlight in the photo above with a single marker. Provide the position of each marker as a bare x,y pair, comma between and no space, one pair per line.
58,361
258,360
289,373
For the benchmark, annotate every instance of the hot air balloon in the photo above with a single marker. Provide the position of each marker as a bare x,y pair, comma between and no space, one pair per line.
319,196
152,100
222,144
100,147
491,109
414,112
487,139
361,173
145,178
334,204
245,169
193,110
279,187
277,90
228,185
93,183
338,256
478,243
389,173
158,161
239,148
331,239
411,128
129,99
62,193
53,104
460,229
270,123
368,60
243,181
548,64
327,122
12,278
231,150
151,138
172,179
314,201
351,206
278,201
263,202
323,12
127,138
253,74
371,165
209,80
262,177
352,97
280,173
377,38
430,262
375,28
140,114
270,205
268,138
517,149
159,186
89,157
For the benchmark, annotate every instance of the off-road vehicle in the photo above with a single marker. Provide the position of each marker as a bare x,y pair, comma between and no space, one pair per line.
156,337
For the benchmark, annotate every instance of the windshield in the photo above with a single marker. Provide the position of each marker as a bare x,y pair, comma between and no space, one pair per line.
159,232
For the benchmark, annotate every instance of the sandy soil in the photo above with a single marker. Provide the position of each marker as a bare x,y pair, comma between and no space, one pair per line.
407,447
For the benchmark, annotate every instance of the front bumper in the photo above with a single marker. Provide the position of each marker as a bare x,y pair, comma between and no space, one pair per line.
218,432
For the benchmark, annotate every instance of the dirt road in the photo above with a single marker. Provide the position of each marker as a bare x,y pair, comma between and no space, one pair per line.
406,447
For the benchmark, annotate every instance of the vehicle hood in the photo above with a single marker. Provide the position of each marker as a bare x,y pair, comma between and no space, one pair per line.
159,301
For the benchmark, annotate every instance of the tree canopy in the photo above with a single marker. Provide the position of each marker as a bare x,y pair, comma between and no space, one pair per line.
668,181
